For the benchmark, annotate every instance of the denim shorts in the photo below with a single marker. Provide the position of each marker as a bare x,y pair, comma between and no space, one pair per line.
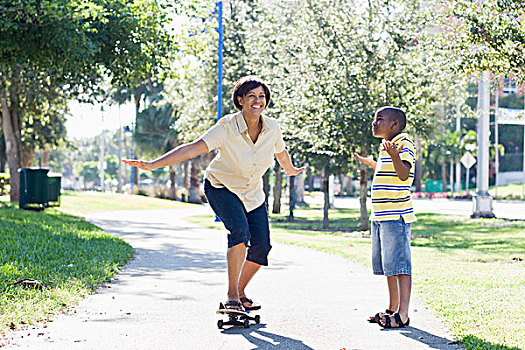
391,247
251,228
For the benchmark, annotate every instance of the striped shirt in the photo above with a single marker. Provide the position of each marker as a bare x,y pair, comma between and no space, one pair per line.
391,195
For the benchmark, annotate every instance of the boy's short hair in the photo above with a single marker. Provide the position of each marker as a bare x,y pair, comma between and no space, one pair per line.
396,114
246,84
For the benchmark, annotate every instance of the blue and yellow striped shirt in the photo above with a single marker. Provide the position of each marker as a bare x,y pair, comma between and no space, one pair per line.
391,195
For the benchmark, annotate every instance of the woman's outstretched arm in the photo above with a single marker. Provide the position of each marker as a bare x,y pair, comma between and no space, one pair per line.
286,163
176,155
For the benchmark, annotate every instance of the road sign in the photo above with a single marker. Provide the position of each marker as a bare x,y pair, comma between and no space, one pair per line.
468,160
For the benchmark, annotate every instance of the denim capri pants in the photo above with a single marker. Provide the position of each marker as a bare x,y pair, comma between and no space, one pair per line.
391,247
251,228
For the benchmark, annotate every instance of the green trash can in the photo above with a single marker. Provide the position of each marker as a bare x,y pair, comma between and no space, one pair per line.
34,188
54,186
433,186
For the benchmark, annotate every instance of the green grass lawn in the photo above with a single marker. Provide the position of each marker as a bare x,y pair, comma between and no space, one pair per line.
470,271
69,255
58,247
82,203
508,190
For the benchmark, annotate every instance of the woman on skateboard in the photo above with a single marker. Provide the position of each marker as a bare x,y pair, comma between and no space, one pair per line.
247,142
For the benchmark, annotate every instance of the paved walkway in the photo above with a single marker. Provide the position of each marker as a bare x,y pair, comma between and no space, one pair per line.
166,298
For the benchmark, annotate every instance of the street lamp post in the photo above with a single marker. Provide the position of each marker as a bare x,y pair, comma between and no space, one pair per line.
482,199
220,31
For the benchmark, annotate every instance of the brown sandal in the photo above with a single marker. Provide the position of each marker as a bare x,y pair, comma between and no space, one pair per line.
252,305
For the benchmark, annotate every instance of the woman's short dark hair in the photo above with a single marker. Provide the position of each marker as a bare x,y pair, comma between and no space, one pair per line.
246,84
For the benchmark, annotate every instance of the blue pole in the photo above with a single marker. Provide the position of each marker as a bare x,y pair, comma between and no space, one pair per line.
220,30
131,172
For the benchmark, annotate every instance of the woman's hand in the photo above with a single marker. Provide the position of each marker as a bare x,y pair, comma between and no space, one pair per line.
286,163
295,171
141,164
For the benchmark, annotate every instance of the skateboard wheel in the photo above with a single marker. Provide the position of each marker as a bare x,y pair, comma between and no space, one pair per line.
257,319
246,324
220,323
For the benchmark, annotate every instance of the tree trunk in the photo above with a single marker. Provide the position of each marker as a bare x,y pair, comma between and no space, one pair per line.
291,200
342,184
12,145
299,188
444,159
44,158
419,164
27,156
266,186
2,149
277,189
363,192
2,163
444,176
325,188
195,181
187,168
136,172
310,180
173,179
137,97
349,186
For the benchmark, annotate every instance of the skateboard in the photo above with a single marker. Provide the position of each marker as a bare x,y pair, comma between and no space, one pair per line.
236,318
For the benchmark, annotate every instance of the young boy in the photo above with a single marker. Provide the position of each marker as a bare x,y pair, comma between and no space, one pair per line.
392,213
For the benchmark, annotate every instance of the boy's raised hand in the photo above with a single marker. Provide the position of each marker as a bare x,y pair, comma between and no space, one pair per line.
368,160
391,148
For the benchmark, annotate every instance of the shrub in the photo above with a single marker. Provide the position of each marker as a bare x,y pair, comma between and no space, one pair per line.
4,184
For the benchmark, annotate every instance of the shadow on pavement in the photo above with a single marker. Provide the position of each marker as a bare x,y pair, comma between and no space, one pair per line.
256,336
168,257
431,340
125,229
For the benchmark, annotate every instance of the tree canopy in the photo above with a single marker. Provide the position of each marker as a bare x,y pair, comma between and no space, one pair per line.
70,47
487,37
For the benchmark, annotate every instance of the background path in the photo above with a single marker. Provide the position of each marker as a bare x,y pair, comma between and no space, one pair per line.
166,298
514,210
